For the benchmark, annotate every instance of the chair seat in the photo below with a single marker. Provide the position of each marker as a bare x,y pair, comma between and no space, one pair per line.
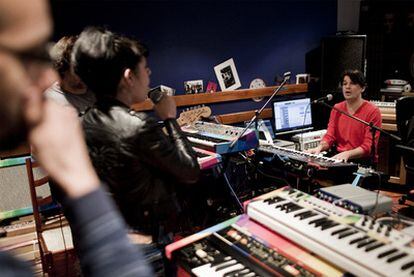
54,240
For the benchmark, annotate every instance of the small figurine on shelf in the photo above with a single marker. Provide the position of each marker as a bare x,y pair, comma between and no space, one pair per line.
211,87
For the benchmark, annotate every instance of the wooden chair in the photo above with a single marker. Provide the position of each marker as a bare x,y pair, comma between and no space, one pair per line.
54,236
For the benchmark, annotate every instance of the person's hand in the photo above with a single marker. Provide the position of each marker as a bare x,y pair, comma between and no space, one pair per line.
166,108
344,156
58,145
315,150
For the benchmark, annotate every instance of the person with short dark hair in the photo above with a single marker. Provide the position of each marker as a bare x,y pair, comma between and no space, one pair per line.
69,90
352,139
143,166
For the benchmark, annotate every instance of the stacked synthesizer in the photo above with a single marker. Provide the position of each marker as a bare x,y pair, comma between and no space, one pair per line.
316,166
217,138
290,233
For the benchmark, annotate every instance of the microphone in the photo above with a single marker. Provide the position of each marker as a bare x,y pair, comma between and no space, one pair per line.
286,76
326,98
156,94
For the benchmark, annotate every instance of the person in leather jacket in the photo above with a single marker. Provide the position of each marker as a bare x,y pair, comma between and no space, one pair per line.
143,166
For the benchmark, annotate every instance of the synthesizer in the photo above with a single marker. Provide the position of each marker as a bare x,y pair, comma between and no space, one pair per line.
206,159
241,247
314,165
307,140
356,199
385,107
355,243
218,137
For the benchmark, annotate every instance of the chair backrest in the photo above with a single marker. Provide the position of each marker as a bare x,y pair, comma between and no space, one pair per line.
54,236
37,201
405,126
404,112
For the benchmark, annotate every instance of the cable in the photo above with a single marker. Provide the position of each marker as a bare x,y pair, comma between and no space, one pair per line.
374,209
303,124
221,170
64,245
272,176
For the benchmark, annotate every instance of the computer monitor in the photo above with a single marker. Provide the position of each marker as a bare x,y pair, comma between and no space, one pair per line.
292,115
265,130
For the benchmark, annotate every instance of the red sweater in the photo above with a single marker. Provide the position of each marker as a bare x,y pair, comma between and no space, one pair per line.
348,134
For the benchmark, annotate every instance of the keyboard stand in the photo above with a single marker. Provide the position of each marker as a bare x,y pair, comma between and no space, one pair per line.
232,192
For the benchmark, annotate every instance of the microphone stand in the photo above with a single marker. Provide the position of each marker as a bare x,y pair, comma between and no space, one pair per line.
254,119
373,129
258,112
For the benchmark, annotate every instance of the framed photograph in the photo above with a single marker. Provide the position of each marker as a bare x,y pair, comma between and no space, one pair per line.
227,76
193,87
211,87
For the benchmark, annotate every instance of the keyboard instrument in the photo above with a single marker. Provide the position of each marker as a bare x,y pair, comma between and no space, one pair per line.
313,165
206,159
388,114
355,243
385,107
218,137
241,247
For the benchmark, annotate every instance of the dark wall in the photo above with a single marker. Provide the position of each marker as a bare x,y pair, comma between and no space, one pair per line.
389,26
188,38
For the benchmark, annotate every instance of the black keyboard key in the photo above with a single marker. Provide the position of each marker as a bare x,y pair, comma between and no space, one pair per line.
407,265
302,214
347,234
274,200
330,225
358,239
291,191
322,222
305,215
287,206
374,246
396,257
365,243
386,253
316,221
340,231
294,209
280,206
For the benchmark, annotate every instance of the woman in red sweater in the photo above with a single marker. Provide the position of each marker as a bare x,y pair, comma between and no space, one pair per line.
352,139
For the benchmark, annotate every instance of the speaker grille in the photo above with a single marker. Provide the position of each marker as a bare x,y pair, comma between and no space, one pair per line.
339,54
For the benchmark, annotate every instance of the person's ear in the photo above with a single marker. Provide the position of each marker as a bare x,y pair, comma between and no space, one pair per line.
127,76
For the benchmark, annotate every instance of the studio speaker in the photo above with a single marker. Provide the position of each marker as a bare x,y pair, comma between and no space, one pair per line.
340,53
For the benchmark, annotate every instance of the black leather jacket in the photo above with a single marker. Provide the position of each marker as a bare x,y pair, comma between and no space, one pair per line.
140,163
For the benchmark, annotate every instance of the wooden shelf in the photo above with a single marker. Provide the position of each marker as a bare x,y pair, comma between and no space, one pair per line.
226,96
232,118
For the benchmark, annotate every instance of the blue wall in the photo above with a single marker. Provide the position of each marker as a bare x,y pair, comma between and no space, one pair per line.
187,39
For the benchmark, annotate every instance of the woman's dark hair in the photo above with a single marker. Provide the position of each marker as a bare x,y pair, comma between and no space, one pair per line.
356,77
61,54
100,57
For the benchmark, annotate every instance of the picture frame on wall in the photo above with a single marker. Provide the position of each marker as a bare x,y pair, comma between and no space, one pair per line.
227,76
193,87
